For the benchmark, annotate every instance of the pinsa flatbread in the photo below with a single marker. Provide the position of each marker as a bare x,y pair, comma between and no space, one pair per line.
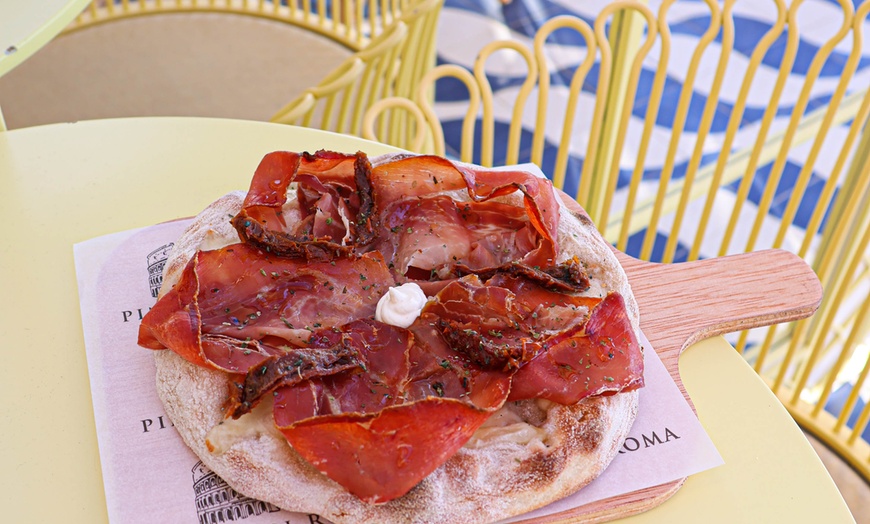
513,388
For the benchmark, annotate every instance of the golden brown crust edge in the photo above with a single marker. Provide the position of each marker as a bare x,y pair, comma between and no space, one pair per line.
486,483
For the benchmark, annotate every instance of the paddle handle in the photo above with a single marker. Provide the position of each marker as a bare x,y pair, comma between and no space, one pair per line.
686,302
683,303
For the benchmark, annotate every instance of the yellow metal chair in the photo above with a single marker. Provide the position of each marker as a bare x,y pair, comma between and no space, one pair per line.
804,362
392,66
221,58
352,23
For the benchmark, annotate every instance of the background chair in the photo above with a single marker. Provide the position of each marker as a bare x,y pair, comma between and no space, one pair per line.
392,65
738,142
221,58
26,27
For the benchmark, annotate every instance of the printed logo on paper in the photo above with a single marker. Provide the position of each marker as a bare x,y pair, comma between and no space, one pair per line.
156,261
216,501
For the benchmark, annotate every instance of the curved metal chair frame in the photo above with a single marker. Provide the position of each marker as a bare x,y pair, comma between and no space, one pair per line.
392,66
352,24
803,362
392,45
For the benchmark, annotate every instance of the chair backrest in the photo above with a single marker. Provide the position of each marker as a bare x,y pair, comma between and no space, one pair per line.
352,24
685,142
392,66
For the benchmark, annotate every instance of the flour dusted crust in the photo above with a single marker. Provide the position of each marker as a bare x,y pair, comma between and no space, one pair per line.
545,452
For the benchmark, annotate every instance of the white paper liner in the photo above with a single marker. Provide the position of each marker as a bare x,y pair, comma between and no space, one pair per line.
151,476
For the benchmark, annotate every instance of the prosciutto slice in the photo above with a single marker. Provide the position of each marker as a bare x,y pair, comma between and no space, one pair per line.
600,357
380,429
485,323
482,233
429,237
335,205
289,311
235,306
381,457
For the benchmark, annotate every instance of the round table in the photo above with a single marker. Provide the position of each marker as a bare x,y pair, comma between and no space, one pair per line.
66,183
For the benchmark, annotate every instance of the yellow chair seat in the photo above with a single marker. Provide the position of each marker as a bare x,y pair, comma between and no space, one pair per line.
179,64
229,58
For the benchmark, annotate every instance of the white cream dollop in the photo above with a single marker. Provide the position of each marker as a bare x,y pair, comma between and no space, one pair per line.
401,305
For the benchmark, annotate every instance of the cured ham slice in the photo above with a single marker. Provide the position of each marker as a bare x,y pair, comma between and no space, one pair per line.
548,310
293,367
342,200
485,323
493,231
430,237
567,277
602,356
381,457
378,380
174,323
423,236
382,427
235,306
335,205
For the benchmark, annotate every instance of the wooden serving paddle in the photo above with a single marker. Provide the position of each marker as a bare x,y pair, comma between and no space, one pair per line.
683,303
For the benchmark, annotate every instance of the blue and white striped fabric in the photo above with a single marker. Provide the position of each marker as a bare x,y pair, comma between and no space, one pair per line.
467,25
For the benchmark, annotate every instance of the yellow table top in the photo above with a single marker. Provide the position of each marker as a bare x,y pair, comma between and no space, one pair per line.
27,25
65,183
